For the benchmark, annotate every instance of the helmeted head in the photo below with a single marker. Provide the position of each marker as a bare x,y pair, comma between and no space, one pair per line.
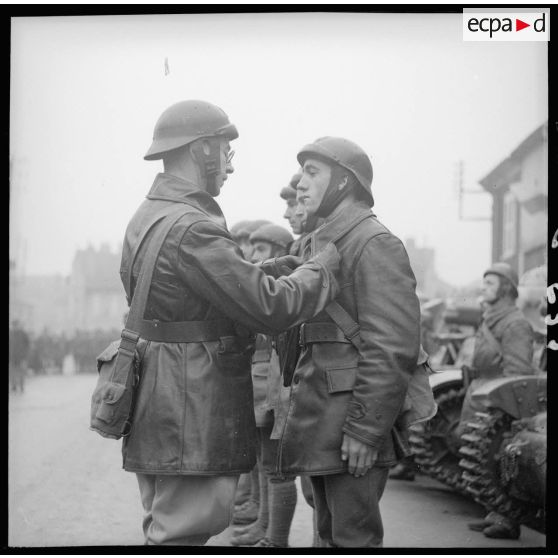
241,232
288,193
206,129
270,241
332,167
499,281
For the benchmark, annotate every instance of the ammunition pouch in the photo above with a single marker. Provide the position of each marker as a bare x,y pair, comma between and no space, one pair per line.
112,403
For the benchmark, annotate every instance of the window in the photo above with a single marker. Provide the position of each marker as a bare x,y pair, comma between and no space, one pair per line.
509,225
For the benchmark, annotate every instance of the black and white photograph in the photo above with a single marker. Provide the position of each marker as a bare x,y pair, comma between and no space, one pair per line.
278,278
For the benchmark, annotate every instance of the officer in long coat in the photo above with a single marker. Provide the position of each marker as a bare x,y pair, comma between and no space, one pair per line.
346,394
193,429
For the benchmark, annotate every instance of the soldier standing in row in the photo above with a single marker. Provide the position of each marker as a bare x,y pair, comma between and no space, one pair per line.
193,428
241,232
347,393
503,347
268,241
247,499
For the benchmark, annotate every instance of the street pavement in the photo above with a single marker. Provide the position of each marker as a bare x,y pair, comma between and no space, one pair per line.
67,487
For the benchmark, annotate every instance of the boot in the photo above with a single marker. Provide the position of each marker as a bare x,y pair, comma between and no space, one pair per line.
504,529
479,525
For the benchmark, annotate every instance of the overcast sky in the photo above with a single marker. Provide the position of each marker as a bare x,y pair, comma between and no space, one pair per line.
87,91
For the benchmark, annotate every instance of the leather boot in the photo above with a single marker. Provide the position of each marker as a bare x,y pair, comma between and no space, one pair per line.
479,525
503,528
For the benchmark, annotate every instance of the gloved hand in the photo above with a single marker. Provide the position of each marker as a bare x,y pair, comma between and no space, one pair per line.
283,265
328,257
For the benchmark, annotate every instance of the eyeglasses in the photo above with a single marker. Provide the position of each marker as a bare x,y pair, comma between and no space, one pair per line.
230,155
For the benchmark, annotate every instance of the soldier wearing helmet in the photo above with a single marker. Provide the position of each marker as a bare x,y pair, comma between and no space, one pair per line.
241,232
503,347
270,241
287,342
277,499
288,193
357,357
193,428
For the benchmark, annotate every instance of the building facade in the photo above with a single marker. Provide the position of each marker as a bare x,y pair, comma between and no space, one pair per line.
519,189
90,298
97,300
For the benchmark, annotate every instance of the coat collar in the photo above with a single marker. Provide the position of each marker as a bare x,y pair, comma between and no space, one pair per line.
498,312
168,187
333,228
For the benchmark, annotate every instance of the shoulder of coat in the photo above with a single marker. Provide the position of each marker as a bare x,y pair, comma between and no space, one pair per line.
516,321
370,227
198,221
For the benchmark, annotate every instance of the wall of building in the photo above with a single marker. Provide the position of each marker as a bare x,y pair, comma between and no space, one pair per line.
519,186
90,298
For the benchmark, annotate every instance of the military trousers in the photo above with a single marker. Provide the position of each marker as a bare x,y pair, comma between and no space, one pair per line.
185,510
348,508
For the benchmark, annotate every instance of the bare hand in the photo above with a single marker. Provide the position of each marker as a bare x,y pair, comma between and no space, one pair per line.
360,456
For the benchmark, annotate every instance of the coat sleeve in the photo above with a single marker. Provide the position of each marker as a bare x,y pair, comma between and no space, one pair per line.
389,318
517,349
212,265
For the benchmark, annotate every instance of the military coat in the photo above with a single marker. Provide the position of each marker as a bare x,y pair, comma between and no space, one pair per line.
336,389
194,412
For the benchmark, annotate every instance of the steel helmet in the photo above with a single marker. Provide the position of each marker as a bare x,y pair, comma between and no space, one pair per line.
273,234
503,270
243,229
295,179
289,192
185,122
345,153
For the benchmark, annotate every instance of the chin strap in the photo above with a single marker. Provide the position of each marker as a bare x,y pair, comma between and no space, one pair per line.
333,194
207,153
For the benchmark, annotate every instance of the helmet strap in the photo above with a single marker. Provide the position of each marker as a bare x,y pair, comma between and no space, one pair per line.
206,152
333,194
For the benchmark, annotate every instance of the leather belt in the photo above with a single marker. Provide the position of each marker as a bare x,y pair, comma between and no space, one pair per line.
185,332
316,332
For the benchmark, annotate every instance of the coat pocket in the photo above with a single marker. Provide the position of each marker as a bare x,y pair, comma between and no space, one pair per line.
107,406
340,379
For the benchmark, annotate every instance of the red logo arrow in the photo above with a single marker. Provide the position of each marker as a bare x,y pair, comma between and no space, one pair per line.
519,25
